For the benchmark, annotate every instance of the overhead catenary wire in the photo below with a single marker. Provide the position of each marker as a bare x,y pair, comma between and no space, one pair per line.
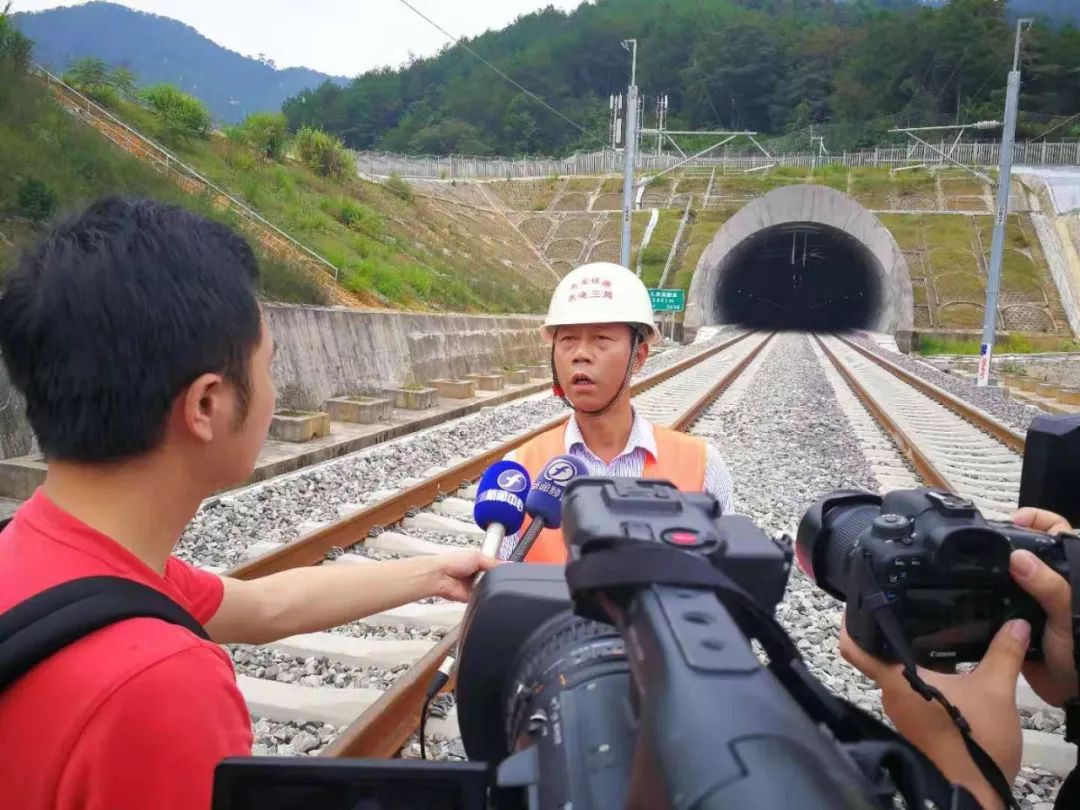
1058,125
525,90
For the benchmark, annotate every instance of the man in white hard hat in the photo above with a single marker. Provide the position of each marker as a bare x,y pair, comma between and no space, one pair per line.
600,327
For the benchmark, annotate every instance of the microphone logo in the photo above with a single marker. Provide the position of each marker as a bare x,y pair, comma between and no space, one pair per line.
512,481
560,472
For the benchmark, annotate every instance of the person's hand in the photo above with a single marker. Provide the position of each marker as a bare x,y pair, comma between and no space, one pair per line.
1054,679
986,696
452,574
1041,520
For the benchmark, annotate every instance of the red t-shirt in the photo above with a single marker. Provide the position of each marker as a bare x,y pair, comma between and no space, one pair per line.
136,715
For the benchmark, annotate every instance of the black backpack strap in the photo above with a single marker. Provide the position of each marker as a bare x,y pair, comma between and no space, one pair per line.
44,624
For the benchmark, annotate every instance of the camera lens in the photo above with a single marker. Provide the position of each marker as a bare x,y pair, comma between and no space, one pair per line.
827,534
563,654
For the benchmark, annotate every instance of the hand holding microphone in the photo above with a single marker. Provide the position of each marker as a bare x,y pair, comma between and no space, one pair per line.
544,502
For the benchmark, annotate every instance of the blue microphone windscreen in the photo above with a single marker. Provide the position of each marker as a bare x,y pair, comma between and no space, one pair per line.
545,498
500,497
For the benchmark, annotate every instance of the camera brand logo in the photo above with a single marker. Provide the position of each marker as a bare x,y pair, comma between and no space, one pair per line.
512,481
560,472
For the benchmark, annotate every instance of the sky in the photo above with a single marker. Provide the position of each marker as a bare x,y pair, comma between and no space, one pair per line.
340,37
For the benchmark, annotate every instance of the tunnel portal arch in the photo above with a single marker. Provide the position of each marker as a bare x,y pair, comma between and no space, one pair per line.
826,216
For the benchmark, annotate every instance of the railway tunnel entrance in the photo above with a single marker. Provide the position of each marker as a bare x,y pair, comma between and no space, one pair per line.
803,257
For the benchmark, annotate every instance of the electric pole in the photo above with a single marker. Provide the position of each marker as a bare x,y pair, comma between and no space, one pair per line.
629,151
1001,215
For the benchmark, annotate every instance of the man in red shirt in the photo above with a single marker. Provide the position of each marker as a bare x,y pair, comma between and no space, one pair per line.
134,333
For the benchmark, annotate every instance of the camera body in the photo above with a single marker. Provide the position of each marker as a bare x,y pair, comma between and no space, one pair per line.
940,565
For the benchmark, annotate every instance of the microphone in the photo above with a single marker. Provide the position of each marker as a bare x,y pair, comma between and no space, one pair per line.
499,510
500,503
544,502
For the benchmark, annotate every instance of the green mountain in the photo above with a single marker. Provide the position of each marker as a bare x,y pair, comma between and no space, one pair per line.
159,49
850,68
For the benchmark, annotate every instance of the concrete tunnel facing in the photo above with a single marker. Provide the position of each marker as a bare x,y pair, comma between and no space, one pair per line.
803,257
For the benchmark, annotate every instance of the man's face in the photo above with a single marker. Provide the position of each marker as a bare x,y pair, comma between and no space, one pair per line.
237,444
591,362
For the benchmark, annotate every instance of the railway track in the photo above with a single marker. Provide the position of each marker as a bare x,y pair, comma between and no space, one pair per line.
391,656
949,443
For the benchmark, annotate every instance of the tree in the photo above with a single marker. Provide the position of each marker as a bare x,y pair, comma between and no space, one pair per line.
322,153
15,49
100,81
178,115
264,133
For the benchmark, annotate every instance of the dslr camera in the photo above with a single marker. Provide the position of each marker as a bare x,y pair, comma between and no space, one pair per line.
933,560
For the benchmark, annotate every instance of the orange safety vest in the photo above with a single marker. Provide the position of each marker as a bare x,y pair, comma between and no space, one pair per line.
681,461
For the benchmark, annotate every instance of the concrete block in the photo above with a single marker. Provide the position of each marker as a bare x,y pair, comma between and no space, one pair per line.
403,544
469,493
1043,749
540,371
517,377
429,522
455,508
20,476
352,651
455,389
258,549
447,726
299,426
1028,384
1047,390
414,399
363,410
1069,396
290,702
440,614
487,382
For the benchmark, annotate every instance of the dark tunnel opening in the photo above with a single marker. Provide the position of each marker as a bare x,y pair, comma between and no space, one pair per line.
800,276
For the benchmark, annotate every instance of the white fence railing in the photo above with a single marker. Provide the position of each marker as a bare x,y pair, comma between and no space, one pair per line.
379,164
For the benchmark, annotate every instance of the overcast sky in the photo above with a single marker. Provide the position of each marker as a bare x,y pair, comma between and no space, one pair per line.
342,37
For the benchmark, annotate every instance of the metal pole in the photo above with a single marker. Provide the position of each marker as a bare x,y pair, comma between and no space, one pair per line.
629,153
997,246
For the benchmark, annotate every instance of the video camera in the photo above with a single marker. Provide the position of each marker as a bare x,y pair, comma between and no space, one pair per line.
650,672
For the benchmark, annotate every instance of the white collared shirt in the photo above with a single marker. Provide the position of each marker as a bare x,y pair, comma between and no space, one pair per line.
630,463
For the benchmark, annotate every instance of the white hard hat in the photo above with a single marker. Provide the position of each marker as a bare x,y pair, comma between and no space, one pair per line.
600,292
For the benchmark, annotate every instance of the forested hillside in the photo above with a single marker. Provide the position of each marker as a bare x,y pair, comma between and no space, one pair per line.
159,49
852,69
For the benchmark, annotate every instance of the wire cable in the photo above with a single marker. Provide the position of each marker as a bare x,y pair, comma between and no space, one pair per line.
1059,125
525,90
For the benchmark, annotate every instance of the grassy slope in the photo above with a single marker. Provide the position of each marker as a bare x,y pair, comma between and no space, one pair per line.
403,250
39,141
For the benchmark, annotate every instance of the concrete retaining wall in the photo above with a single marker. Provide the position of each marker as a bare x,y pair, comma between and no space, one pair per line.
322,353
16,438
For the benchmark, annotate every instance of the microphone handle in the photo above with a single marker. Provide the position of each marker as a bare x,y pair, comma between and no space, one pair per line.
527,539
492,540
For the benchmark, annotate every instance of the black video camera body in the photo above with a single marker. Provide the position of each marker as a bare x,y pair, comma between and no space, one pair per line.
934,559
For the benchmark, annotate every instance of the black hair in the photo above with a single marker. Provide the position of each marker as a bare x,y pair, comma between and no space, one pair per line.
114,313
